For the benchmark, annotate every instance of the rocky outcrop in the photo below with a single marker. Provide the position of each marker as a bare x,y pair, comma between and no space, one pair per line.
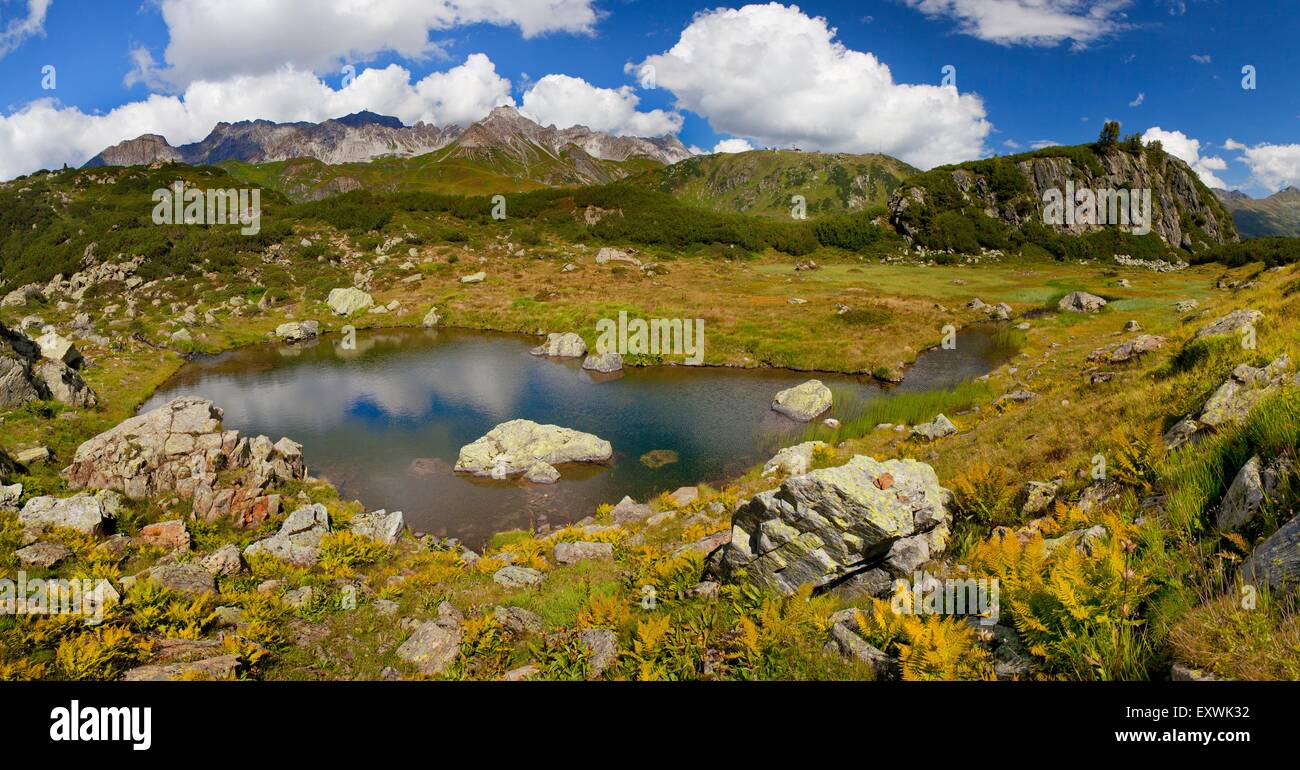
181,447
833,523
1276,561
1123,352
513,448
803,402
27,375
1253,486
1232,323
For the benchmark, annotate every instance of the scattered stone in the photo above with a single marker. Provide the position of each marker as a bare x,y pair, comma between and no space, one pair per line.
1186,305
189,579
1182,672
1132,326
607,255
431,318
224,562
705,589
684,496
1123,352
298,597
517,577
629,510
1081,302
34,456
803,402
1016,396
347,301
1036,497
478,277
221,667
572,553
513,447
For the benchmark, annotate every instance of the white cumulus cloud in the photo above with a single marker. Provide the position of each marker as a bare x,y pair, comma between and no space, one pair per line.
217,39
46,134
1272,166
566,101
1187,149
1030,22
733,145
779,76
19,28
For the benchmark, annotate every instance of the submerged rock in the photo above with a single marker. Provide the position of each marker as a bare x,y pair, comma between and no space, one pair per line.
803,402
513,447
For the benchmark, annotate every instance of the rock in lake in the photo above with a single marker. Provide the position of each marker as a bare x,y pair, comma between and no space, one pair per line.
604,363
803,402
512,448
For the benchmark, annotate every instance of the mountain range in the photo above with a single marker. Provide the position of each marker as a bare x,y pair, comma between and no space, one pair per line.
1278,214
365,136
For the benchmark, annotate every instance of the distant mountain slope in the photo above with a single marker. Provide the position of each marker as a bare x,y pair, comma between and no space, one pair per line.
763,181
1278,214
999,203
504,152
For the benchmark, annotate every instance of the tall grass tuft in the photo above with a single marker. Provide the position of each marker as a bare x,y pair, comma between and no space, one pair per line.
859,416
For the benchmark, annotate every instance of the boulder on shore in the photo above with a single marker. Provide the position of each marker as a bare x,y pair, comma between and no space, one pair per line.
346,301
566,345
803,402
832,523
297,331
512,448
604,363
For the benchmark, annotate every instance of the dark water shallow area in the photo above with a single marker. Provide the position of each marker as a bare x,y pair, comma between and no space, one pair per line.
384,422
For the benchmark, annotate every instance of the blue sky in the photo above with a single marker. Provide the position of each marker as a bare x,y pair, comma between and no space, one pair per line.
851,76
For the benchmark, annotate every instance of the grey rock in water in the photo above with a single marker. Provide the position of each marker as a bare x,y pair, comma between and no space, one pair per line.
565,345
604,363
513,447
803,402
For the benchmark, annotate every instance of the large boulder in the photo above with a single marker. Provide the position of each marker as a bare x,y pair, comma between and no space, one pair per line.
513,447
348,301
92,514
1254,485
297,331
566,345
58,348
26,375
379,525
1081,302
832,523
603,363
803,402
298,541
1276,561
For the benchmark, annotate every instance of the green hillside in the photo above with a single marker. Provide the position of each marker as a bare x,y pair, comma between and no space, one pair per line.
762,182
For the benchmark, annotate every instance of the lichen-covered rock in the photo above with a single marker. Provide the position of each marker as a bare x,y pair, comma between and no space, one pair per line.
542,473
628,510
346,301
1234,399
601,646
379,525
512,576
828,524
92,514
42,555
217,668
511,448
803,402
298,541
1035,497
25,375
566,345
1123,352
191,579
1081,302
935,429
518,620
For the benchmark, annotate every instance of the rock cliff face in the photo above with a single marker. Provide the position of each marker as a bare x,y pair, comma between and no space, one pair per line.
1185,213
365,136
